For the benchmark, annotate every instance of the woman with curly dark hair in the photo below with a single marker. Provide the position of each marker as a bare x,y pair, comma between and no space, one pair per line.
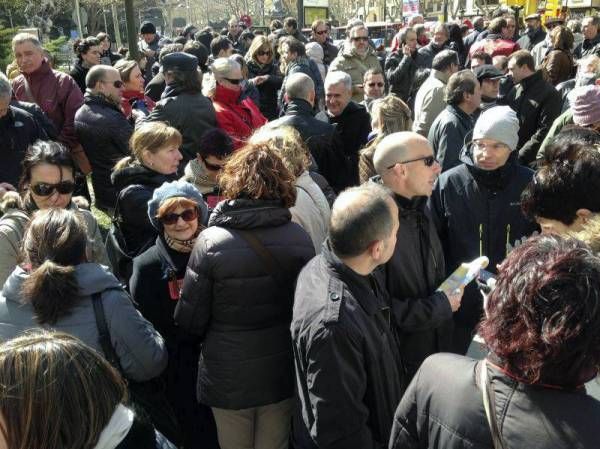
237,297
542,328
89,54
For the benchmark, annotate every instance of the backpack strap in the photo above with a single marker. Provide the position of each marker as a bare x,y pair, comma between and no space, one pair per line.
271,264
103,332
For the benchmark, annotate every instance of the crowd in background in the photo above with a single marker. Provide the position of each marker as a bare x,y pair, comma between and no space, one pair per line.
284,212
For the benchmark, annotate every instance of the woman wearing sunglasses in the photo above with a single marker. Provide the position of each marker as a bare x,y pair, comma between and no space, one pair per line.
48,181
263,72
177,211
236,116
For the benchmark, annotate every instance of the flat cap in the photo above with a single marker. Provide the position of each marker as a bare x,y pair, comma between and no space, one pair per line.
487,72
183,62
535,16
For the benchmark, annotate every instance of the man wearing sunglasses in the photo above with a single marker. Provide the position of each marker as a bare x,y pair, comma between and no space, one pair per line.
374,83
103,130
320,35
355,59
422,314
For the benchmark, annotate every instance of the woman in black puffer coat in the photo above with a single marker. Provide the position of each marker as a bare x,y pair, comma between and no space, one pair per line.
240,302
155,159
264,74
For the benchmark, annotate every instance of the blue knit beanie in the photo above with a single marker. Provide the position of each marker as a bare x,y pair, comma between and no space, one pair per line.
172,190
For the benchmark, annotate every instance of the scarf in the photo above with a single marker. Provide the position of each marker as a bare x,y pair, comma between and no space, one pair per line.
182,246
117,428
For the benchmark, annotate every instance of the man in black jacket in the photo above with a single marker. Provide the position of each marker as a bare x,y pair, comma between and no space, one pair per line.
103,130
421,313
321,138
352,120
534,34
348,371
591,41
536,102
320,34
476,208
402,65
437,44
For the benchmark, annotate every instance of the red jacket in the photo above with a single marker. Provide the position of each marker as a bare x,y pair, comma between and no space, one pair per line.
130,96
237,118
493,45
57,94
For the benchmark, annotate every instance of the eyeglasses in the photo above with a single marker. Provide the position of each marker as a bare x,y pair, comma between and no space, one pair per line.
360,38
375,84
263,53
211,167
427,160
172,218
117,84
45,189
322,32
233,81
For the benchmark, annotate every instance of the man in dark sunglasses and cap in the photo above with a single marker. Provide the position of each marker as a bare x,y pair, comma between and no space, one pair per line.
103,130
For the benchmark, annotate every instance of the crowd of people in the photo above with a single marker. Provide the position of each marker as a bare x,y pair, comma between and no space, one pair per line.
284,213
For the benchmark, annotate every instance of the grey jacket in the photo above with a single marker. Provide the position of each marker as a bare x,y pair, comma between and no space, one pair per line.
140,348
447,135
429,101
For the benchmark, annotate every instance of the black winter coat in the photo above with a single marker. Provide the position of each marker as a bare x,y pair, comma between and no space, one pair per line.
156,87
477,212
537,104
39,115
447,135
268,89
348,369
323,141
19,130
190,112
136,184
530,39
422,315
428,52
104,133
443,409
354,126
240,312
401,70
309,68
78,73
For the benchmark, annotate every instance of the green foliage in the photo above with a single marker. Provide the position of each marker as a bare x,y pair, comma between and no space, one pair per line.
53,46
6,35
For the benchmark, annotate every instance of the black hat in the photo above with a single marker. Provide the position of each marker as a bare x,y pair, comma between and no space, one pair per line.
180,61
554,21
535,16
147,28
487,72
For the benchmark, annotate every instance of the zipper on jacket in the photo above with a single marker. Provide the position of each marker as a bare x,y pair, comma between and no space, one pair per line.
507,239
480,239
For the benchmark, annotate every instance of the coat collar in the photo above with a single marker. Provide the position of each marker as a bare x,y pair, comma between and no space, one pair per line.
227,96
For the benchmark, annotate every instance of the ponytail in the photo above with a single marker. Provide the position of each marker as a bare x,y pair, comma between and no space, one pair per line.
52,290
124,162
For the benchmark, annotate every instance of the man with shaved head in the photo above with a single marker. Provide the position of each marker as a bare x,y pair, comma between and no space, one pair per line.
348,370
421,314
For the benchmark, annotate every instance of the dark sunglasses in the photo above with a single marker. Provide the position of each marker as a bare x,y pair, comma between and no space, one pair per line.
427,160
186,215
360,38
233,81
211,167
320,33
118,84
375,84
45,189
263,53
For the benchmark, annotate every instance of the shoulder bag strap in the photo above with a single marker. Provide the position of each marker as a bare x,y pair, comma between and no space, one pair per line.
103,332
489,405
271,264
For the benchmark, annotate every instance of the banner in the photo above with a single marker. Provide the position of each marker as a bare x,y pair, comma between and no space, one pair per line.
410,7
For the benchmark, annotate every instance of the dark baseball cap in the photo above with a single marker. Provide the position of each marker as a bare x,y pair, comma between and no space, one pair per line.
487,72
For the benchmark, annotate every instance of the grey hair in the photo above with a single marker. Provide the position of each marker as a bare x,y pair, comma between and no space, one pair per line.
299,85
22,38
338,77
5,87
222,67
355,28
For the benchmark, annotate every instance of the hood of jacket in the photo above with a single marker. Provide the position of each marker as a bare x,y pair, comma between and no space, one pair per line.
590,234
196,173
244,213
139,174
98,99
91,278
349,52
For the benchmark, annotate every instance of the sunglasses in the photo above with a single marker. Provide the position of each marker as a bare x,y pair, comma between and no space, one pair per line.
186,215
263,53
360,38
211,167
45,189
118,83
427,160
375,84
322,32
233,81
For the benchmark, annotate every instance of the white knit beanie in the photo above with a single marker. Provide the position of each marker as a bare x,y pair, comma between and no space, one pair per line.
498,123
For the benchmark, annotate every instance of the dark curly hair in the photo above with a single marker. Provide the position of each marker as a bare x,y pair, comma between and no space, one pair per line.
558,190
543,317
82,46
257,172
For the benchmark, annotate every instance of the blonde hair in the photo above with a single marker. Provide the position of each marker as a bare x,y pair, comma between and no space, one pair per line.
259,43
288,143
125,67
151,137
